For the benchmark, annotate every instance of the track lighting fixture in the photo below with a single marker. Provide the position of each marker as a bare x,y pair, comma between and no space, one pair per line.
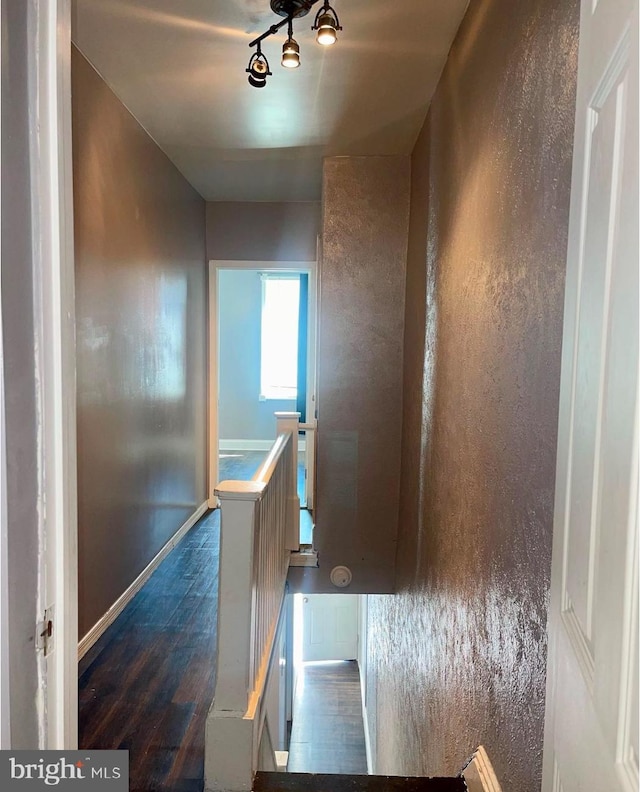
326,23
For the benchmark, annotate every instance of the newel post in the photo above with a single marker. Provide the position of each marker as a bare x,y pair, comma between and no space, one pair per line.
229,733
289,422
237,529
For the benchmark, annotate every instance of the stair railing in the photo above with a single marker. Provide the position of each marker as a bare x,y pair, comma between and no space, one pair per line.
259,528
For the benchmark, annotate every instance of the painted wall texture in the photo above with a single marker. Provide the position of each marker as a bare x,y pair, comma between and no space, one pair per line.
241,415
141,330
19,342
457,658
262,231
362,274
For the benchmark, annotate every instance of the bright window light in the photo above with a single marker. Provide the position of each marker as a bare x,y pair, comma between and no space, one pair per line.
279,339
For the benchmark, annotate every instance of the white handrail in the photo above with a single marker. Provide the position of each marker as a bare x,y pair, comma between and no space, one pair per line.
265,471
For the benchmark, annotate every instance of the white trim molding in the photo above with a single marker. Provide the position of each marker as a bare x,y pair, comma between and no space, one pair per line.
245,445
252,445
5,689
479,774
304,558
367,739
55,367
100,627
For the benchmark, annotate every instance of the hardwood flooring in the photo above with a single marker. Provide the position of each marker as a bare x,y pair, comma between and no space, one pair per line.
291,782
147,684
327,735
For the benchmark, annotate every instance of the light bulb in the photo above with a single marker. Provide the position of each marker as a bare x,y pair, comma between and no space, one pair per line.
291,54
258,72
326,30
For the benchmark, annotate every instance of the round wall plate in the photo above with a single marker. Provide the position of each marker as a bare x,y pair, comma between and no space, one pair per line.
296,8
340,576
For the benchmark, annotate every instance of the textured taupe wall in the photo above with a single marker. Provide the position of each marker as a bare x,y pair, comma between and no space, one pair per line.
141,330
459,653
362,272
18,46
262,231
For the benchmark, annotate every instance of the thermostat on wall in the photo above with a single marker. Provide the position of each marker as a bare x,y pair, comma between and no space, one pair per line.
340,576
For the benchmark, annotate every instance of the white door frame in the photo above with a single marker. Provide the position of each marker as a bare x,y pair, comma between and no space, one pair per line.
5,690
215,265
54,327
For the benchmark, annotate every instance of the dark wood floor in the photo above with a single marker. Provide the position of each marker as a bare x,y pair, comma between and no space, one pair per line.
328,733
147,684
320,782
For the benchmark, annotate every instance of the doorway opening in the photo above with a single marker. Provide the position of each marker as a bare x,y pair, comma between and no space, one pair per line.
328,729
262,361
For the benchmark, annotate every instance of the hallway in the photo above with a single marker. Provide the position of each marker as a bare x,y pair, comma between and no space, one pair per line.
474,245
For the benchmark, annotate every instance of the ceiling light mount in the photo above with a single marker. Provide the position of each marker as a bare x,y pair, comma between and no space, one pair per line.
326,23
291,8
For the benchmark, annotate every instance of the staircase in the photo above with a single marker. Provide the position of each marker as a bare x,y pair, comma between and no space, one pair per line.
321,782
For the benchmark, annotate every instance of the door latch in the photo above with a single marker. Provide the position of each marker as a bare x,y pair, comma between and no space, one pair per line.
44,633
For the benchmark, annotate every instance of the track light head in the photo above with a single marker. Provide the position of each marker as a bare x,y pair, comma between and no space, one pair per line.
291,54
258,70
327,25
326,30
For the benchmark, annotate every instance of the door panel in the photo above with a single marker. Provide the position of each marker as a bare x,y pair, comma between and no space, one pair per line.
330,627
591,732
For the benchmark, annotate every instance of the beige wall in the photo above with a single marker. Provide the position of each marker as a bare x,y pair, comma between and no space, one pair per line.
458,656
262,231
141,330
362,272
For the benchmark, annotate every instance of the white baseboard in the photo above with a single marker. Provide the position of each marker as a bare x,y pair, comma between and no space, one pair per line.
282,759
120,604
367,740
302,558
245,445
479,774
252,445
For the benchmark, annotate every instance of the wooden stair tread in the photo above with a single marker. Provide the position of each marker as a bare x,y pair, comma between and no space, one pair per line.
325,782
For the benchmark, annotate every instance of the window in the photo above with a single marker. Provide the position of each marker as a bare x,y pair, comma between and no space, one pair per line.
279,336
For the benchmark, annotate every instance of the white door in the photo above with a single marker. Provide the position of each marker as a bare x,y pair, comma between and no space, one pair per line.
330,627
591,730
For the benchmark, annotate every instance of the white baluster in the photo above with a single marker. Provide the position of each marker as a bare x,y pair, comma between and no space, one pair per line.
288,422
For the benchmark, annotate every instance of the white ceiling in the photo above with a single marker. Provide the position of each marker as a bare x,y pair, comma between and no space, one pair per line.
179,66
